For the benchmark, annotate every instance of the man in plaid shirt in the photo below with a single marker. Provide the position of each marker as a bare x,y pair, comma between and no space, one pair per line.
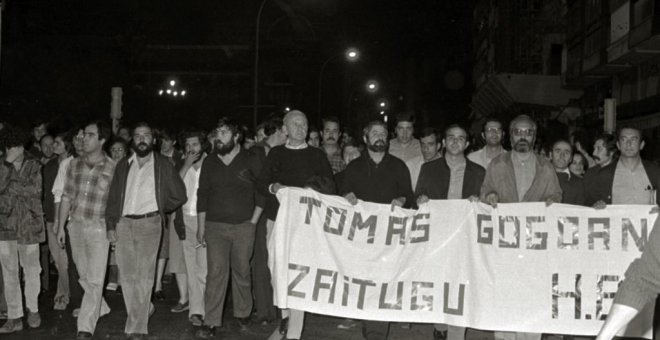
331,134
84,199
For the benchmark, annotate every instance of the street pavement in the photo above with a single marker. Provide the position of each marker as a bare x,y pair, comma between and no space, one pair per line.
167,325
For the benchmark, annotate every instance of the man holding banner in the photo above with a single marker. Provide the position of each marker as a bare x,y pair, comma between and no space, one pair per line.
292,165
451,177
377,177
520,176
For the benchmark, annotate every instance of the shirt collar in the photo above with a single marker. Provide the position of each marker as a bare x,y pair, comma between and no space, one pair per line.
566,171
134,158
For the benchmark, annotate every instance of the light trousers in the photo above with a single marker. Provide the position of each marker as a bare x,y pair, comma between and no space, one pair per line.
27,255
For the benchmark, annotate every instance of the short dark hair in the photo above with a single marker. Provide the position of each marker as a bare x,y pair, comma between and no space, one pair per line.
166,134
232,126
12,136
609,141
44,137
629,127
562,140
491,120
312,128
192,133
114,140
142,125
103,128
405,117
431,131
452,126
272,125
373,123
330,119
67,138
351,143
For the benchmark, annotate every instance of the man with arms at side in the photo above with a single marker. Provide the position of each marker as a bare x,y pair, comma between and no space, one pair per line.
83,201
331,135
378,177
144,189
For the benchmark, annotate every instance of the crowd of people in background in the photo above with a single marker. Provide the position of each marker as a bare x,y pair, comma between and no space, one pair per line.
115,211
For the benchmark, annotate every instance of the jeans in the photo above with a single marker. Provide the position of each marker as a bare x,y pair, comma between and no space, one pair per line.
136,250
11,254
89,247
61,264
195,258
229,249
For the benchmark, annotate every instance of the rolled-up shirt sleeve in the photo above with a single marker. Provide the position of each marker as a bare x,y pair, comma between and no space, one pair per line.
58,185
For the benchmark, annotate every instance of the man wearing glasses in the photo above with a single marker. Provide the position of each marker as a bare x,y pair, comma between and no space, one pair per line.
520,176
492,133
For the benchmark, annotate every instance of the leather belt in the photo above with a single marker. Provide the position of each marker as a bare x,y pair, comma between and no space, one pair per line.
139,217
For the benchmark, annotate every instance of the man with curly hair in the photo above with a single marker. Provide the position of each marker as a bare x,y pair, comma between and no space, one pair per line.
21,229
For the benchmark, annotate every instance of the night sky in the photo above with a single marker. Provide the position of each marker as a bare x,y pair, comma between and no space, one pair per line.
60,59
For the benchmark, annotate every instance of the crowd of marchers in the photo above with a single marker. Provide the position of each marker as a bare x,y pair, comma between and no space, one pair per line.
117,206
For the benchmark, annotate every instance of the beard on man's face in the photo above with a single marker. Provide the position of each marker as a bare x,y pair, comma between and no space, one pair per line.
377,146
142,149
522,145
222,148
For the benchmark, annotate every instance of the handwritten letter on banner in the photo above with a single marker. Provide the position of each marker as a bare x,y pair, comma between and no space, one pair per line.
520,267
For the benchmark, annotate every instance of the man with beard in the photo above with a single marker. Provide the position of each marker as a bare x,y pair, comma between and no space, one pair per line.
84,200
520,176
331,134
378,177
226,222
292,165
492,133
571,185
144,188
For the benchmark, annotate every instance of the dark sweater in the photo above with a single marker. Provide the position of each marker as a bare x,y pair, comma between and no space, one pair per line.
227,192
378,183
434,178
572,188
48,175
290,167
598,182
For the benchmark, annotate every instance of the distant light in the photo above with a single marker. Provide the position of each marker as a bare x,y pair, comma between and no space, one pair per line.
382,103
160,92
169,91
287,109
183,93
172,82
352,54
385,119
382,112
175,93
372,86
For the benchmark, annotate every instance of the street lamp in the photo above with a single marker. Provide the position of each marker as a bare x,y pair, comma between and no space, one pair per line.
372,86
351,54
255,99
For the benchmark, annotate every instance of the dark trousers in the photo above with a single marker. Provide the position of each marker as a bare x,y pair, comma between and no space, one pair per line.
375,330
228,253
261,288
44,259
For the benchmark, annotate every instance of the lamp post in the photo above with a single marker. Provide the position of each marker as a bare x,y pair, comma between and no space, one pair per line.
351,54
255,99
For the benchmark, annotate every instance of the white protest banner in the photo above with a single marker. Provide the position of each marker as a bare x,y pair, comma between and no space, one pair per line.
521,267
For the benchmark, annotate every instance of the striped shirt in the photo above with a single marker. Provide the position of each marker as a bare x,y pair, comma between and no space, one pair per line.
87,188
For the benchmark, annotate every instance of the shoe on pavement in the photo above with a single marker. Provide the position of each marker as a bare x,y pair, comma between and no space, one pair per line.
347,324
439,335
84,335
158,295
244,323
206,332
196,320
75,312
33,319
11,326
3,315
180,307
284,325
60,303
